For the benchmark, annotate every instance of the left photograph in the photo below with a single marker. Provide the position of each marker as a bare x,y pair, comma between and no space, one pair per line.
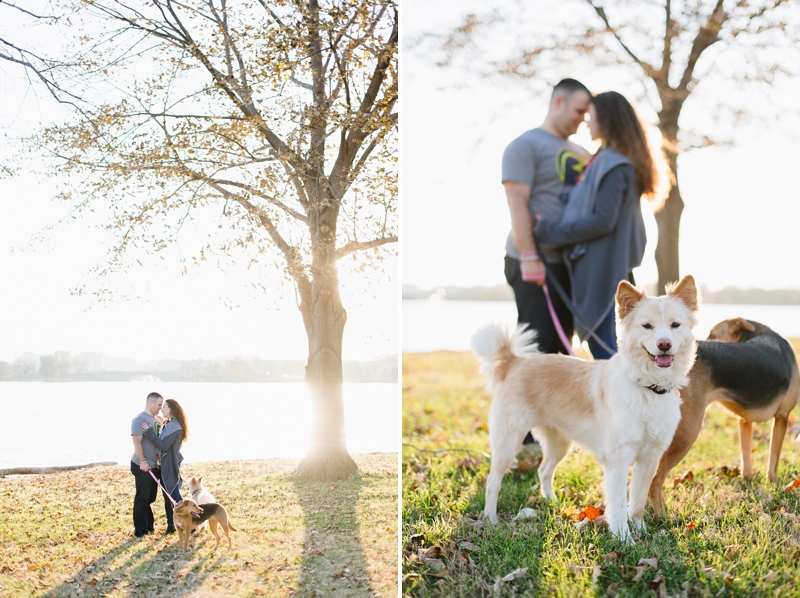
199,368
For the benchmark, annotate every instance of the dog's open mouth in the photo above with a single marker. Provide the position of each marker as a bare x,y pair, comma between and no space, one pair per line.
663,360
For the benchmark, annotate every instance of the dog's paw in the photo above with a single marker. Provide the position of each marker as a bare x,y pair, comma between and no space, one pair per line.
639,526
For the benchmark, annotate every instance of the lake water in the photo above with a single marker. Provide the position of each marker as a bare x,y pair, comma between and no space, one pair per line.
449,325
71,423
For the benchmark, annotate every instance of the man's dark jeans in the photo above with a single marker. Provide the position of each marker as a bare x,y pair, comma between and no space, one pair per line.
532,305
146,493
532,308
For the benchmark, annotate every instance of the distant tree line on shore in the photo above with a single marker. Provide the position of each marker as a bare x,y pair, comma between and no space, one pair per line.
61,366
503,292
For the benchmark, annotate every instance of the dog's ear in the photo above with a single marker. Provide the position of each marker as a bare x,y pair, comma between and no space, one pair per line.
686,290
627,298
200,479
742,324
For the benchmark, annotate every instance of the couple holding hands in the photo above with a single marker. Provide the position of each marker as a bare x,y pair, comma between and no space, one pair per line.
582,211
158,433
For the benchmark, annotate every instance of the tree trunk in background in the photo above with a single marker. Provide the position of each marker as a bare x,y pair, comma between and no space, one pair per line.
324,317
668,218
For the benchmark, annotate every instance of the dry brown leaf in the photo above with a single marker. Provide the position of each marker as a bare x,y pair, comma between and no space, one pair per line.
466,545
527,464
690,526
611,556
569,512
476,523
653,562
640,571
791,486
687,477
596,572
613,589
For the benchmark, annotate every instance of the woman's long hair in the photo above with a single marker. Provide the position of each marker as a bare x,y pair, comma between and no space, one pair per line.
622,130
176,411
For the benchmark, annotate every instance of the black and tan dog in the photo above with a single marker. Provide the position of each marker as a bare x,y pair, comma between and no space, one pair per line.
189,516
753,373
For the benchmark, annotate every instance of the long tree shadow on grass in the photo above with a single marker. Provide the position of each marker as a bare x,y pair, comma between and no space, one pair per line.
156,565
333,557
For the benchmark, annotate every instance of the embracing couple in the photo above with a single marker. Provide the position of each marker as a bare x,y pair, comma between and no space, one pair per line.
158,433
582,211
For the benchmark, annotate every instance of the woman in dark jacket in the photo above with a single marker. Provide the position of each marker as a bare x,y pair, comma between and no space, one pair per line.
601,229
168,443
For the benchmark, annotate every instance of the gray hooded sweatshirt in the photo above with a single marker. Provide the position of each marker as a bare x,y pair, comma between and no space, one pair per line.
602,234
169,444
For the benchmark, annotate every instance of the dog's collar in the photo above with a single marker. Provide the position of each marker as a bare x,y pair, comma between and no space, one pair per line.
198,491
657,389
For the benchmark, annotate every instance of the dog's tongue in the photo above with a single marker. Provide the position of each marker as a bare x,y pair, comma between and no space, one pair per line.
663,361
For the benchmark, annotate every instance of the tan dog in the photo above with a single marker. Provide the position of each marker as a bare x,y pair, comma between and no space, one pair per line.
753,373
189,515
624,409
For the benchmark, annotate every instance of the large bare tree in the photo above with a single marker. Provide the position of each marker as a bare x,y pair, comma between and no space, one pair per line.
276,117
731,55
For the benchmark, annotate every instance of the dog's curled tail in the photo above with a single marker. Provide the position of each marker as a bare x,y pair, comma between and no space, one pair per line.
230,526
496,350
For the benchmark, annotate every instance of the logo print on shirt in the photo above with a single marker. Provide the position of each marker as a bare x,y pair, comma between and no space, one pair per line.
569,166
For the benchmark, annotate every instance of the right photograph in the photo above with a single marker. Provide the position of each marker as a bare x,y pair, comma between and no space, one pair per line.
600,311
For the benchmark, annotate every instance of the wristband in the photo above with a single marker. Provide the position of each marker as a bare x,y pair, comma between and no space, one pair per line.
529,256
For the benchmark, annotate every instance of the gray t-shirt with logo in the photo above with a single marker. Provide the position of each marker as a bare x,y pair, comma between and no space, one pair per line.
147,445
548,164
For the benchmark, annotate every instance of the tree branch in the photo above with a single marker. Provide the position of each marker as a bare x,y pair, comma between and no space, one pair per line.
354,246
648,69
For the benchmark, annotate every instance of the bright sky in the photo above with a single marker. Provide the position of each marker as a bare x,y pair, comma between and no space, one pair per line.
205,314
738,227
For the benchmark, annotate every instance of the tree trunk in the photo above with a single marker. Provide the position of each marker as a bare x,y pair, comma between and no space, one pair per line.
324,320
668,218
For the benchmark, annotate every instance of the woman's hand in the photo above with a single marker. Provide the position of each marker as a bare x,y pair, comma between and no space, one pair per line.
145,425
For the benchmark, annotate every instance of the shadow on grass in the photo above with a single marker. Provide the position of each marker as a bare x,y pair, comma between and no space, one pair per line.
333,559
143,572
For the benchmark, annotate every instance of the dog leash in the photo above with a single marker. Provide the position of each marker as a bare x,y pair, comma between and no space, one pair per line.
570,305
174,502
556,322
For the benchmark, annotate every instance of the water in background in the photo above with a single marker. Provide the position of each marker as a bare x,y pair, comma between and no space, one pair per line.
449,325
71,423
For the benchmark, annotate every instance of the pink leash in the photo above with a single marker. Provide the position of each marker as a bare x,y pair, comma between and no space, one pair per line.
174,502
556,323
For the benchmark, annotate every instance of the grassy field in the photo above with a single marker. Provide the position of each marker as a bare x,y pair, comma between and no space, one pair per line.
71,534
722,536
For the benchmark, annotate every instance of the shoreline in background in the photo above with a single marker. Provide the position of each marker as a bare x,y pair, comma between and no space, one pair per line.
730,295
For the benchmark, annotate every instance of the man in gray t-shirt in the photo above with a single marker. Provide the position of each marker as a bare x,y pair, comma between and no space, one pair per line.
539,167
145,459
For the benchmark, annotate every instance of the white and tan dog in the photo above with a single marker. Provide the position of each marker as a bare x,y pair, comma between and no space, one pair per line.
624,410
200,495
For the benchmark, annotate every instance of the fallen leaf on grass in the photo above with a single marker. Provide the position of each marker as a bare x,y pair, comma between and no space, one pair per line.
687,477
653,562
770,575
591,513
434,564
690,526
466,545
516,574
578,569
476,523
569,512
730,472
414,541
468,463
596,572
791,486
731,551
611,556
612,590
525,514
527,464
